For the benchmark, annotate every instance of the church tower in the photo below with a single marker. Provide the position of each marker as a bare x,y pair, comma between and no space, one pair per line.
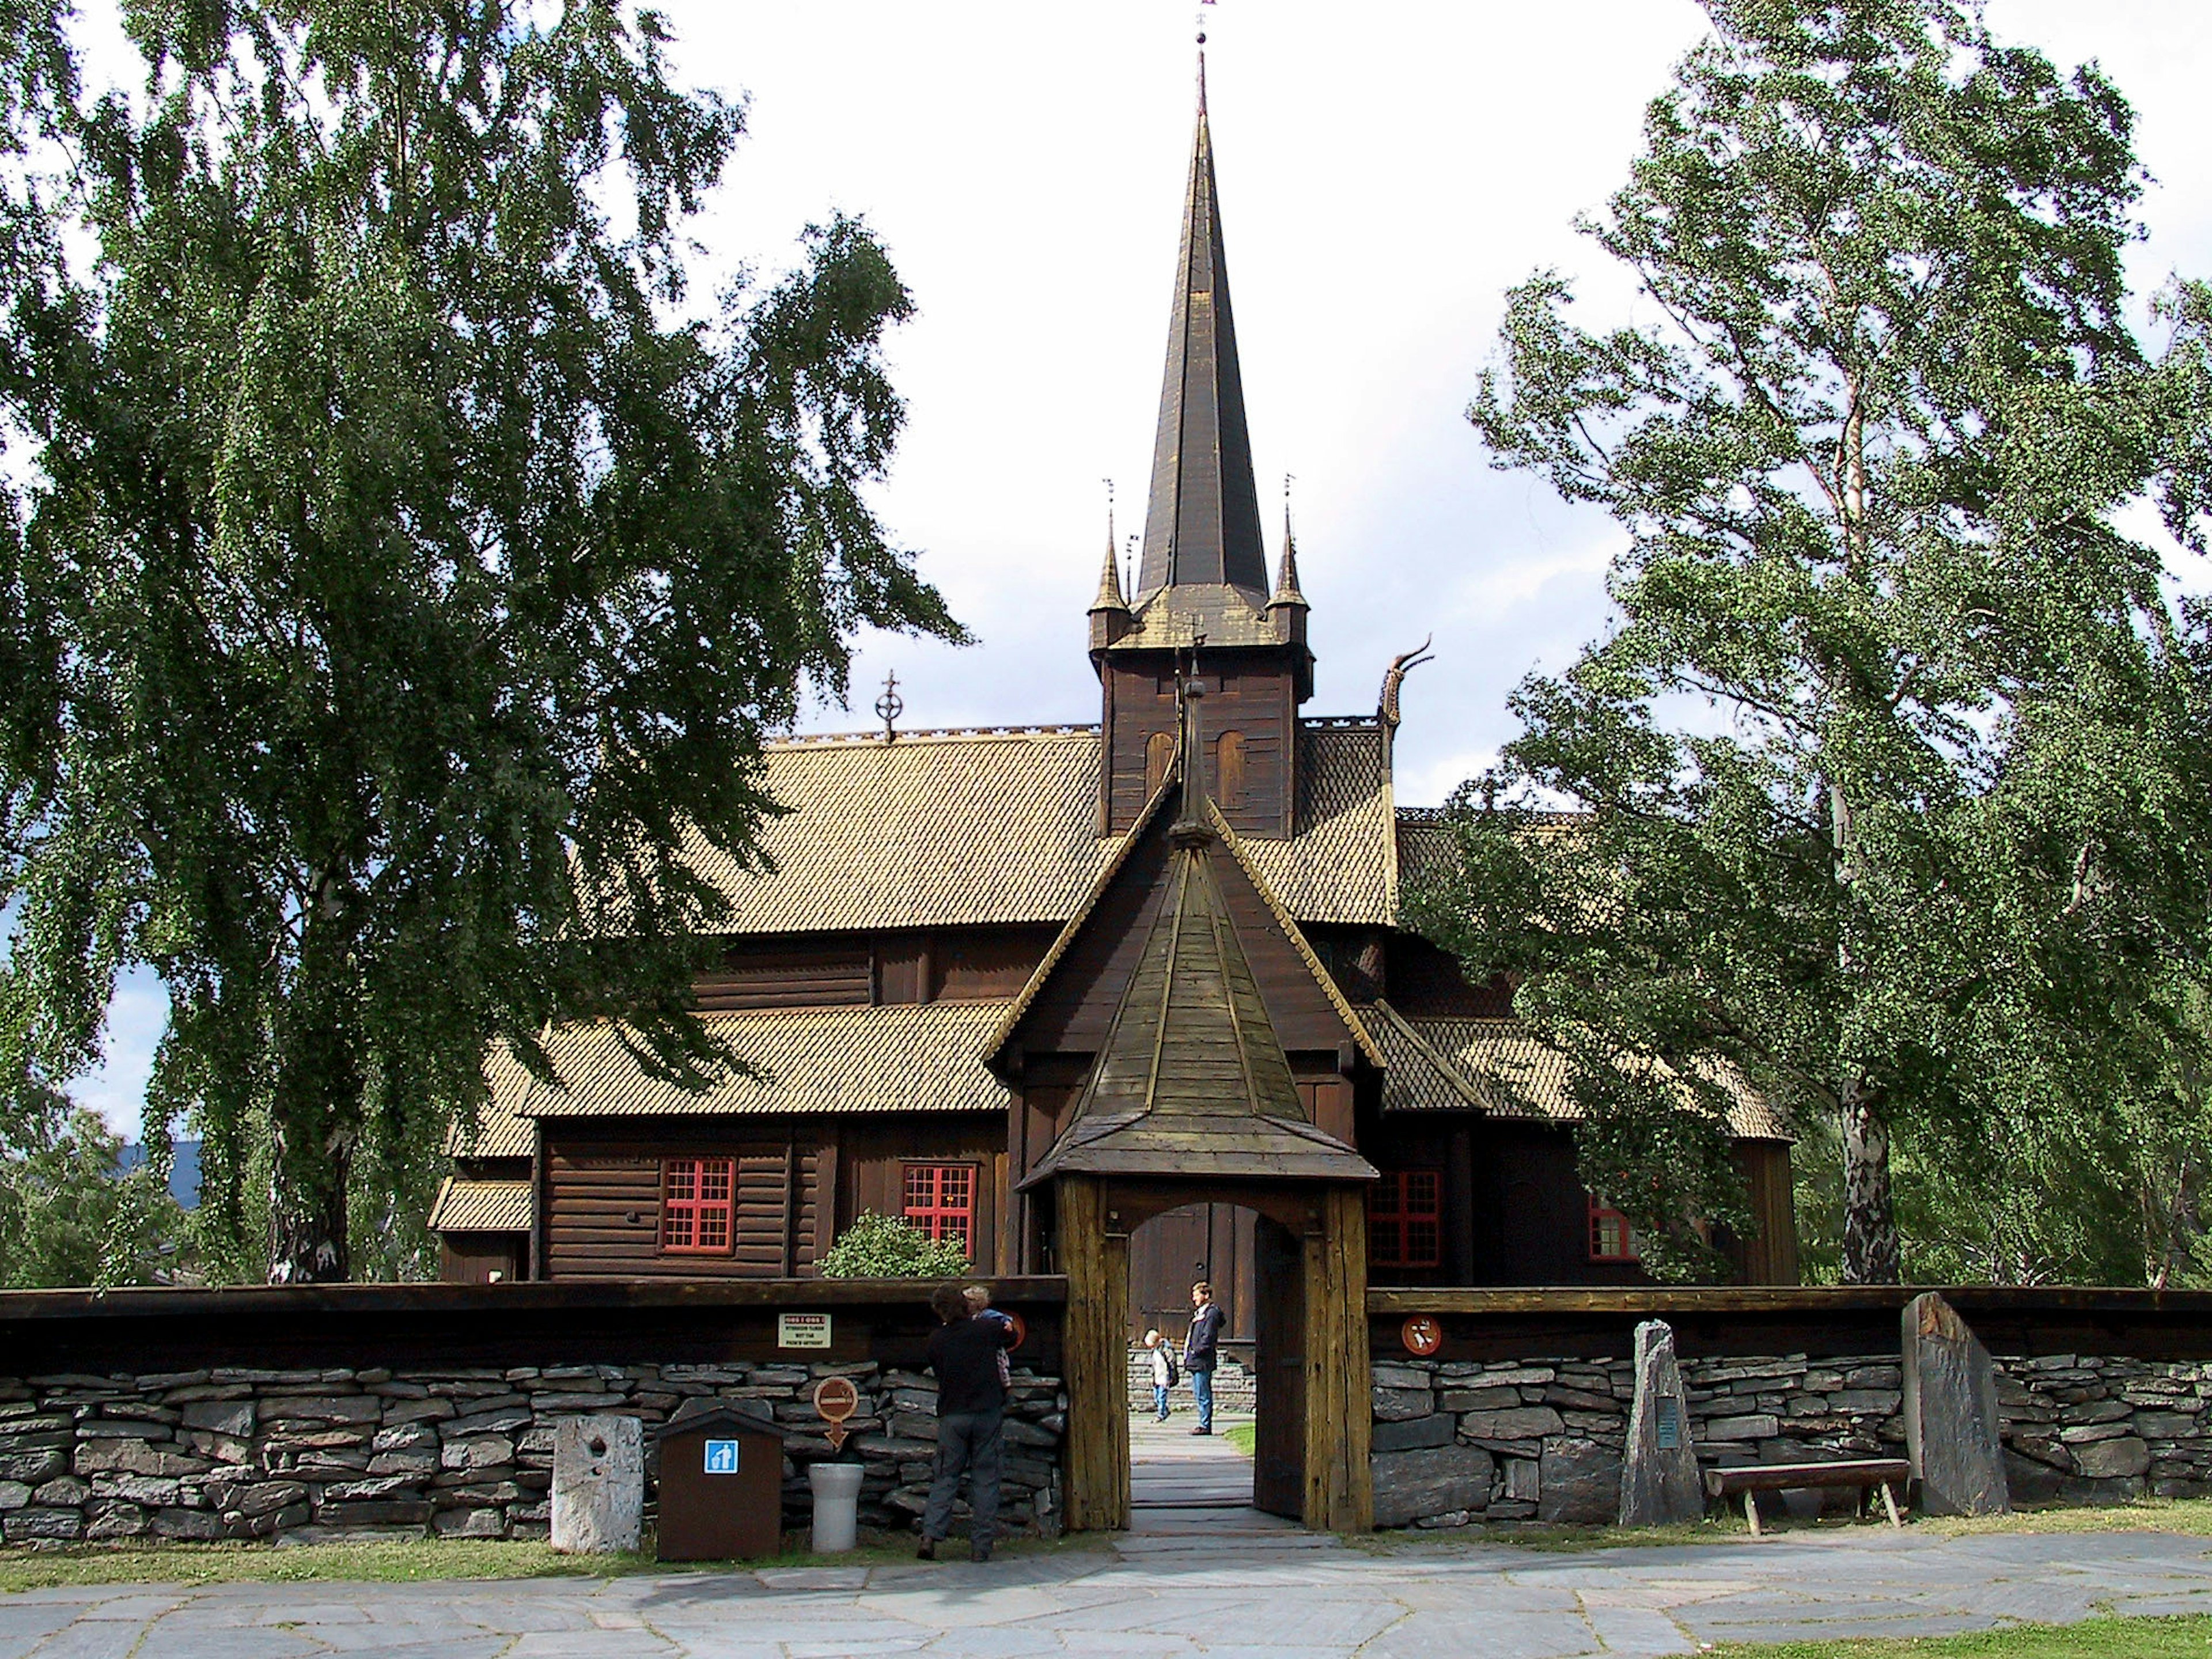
1203,580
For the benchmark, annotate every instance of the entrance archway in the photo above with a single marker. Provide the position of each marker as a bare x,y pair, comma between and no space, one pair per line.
1310,1328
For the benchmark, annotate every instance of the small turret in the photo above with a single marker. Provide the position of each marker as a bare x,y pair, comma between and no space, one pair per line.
1110,611
1288,609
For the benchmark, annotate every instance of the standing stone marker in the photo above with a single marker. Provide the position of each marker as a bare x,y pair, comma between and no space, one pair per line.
1951,1422
599,1484
1659,1473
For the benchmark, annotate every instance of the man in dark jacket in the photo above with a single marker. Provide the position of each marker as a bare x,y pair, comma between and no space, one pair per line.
971,1405
1202,1351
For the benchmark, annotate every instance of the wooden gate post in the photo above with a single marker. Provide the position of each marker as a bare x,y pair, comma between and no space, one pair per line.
1094,1256
1339,1402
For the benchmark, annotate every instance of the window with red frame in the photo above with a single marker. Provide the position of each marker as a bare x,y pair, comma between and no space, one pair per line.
1404,1219
940,1200
695,1204
1611,1238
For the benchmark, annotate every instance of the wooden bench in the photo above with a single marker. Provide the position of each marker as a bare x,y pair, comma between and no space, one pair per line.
1865,1474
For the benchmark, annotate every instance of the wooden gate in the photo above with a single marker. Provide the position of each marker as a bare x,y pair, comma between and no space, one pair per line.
1312,1304
1278,1354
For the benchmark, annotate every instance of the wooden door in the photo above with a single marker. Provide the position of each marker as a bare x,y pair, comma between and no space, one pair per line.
1279,1474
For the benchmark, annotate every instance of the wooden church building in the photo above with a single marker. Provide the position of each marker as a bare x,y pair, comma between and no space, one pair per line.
1036,988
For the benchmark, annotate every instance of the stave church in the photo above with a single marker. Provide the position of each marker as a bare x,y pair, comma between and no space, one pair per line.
1154,967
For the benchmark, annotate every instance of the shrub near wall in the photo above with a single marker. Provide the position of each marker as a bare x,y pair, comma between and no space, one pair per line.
239,1453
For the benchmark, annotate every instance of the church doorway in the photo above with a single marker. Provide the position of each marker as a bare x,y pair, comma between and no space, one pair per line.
1307,1316
1254,1265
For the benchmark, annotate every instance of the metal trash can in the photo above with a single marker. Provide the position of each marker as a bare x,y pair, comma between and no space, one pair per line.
721,1488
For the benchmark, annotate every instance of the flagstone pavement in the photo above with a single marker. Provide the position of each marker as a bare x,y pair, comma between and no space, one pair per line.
1282,1594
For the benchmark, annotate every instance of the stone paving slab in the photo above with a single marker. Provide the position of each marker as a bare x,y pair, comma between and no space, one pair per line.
1287,1596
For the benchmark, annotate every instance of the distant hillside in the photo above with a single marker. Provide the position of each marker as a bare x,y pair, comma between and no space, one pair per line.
184,1174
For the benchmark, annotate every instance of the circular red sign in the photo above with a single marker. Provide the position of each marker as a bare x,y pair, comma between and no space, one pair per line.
1422,1335
1021,1329
835,1398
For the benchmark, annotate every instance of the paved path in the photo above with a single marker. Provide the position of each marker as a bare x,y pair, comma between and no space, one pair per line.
1182,1484
1289,1596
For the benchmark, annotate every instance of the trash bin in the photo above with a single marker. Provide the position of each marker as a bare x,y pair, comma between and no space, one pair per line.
837,1505
722,1487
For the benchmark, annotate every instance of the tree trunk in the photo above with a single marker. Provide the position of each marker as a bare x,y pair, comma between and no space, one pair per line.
314,1113
1872,1252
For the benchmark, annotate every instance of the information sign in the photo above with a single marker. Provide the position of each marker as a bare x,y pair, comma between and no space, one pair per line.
722,1456
802,1330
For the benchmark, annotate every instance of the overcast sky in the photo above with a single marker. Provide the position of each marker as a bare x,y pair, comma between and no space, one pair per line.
1386,172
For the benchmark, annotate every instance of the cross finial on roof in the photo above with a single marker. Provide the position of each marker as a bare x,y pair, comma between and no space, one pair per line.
890,706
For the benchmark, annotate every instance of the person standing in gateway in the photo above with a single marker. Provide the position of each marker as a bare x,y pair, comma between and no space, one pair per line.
971,1408
1202,1351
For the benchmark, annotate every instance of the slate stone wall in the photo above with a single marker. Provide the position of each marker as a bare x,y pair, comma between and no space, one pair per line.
1461,1443
235,1453
1232,1384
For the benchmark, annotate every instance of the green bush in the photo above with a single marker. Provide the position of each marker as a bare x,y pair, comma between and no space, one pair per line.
891,1247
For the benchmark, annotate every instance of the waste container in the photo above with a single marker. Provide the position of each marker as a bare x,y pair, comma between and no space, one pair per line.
722,1487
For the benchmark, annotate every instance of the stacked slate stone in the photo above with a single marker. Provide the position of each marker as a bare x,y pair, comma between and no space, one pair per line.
1458,1442
2081,1429
238,1453
1233,1385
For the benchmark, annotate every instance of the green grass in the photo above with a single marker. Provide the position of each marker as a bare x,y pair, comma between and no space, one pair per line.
2189,1515
414,1559
2095,1639
1242,1436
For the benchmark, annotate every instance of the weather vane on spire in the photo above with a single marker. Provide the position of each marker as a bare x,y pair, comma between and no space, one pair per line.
1202,5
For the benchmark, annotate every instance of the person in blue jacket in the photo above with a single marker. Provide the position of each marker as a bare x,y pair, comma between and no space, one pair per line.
1202,1351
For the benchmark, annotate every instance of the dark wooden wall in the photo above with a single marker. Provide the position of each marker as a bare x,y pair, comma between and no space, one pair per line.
799,1182
945,964
483,1258
1251,692
1171,1252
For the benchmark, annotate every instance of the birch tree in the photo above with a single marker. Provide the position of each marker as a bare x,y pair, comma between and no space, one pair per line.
1889,778
408,569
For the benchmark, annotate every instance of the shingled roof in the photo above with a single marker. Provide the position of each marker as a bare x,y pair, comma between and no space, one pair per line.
967,828
483,1206
911,1057
1524,1077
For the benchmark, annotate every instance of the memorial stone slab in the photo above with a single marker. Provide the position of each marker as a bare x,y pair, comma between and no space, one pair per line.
599,1484
1659,1468
1951,1421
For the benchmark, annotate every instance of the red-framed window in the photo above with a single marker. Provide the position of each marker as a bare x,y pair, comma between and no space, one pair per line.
940,1200
1405,1227
1611,1237
697,1205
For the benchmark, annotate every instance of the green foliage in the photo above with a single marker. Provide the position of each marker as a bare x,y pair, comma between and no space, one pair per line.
1889,781
404,585
891,1247
69,1215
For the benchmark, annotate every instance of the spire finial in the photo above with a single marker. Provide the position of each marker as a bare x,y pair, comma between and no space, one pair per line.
1286,586
1110,591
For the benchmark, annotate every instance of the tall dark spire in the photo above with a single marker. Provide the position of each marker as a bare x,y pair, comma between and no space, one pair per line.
1203,523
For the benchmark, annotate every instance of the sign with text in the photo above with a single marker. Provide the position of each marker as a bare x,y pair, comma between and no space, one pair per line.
802,1330
722,1457
836,1399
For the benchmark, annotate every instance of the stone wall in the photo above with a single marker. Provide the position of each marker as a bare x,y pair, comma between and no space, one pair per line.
1232,1384
238,1453
1541,1439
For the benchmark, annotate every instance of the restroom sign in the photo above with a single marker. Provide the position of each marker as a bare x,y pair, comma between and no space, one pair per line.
802,1330
722,1457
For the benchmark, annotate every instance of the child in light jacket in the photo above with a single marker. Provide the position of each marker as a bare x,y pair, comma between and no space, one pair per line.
1163,1371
